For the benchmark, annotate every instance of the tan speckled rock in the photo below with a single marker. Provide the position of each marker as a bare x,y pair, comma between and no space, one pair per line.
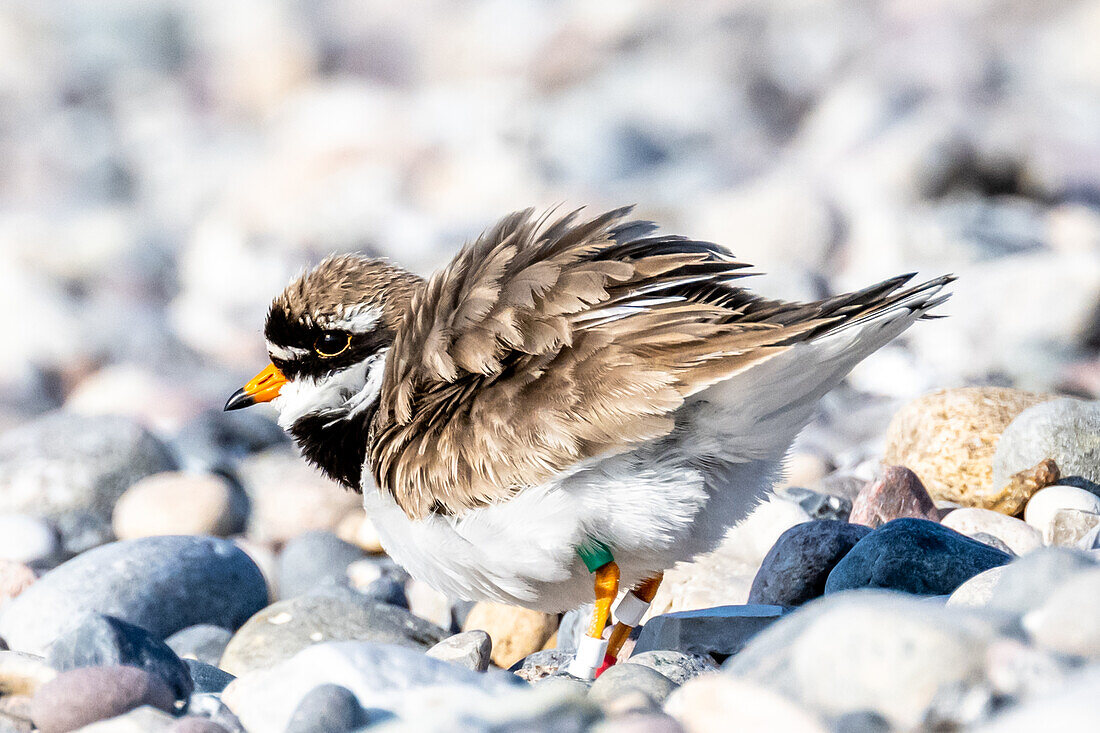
516,632
948,438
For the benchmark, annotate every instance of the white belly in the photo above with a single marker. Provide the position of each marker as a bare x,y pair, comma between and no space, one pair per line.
523,551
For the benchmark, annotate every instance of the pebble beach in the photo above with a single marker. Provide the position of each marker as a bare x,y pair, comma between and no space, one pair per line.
930,561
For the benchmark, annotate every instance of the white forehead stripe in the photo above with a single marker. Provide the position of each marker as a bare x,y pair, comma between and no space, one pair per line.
285,353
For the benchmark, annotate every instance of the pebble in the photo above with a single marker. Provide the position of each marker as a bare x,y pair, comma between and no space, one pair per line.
173,503
1070,707
313,559
327,709
1020,537
103,641
211,707
283,629
1026,582
977,591
72,469
207,678
470,649
544,664
1068,620
818,505
15,578
948,439
717,632
83,696
23,674
995,542
795,570
1065,430
723,702
898,493
144,719
27,539
288,497
914,556
867,650
638,722
1046,503
162,584
357,529
428,603
1070,527
516,632
624,678
195,724
215,440
677,666
202,642
391,678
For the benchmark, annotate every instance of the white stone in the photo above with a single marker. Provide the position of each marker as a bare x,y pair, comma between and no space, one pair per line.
1068,621
1040,510
26,539
1020,537
470,649
720,702
977,591
868,650
405,681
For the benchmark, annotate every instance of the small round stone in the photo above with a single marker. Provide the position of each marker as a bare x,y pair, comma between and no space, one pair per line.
1020,537
898,493
283,629
1065,430
914,556
178,503
195,724
314,559
27,539
15,578
327,709
101,641
83,696
624,678
516,632
795,570
677,666
162,584
1043,506
470,649
202,642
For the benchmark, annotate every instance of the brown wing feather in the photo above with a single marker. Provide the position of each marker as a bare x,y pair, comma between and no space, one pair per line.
540,346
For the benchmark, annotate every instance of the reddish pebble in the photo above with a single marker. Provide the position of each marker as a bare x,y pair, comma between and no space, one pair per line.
15,577
899,493
82,696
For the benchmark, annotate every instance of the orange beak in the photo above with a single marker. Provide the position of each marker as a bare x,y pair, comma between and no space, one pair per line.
263,387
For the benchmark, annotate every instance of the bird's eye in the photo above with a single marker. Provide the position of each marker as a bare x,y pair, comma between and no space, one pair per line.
332,344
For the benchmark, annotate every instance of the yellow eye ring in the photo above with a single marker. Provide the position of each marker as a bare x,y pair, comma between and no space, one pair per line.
328,344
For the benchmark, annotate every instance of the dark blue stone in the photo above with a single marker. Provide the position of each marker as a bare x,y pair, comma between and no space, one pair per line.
719,632
104,641
207,677
914,556
795,570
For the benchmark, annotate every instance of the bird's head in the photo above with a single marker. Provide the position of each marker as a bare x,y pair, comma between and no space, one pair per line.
327,335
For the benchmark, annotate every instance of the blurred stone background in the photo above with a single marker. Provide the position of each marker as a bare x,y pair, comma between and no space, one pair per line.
170,164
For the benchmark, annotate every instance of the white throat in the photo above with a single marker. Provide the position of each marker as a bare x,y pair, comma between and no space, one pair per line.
337,396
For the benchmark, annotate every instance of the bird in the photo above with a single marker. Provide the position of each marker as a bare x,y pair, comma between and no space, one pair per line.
571,406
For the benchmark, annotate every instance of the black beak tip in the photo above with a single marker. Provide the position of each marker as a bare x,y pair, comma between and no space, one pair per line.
238,400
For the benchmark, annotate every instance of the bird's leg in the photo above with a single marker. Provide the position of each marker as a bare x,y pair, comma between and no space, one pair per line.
592,647
628,613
